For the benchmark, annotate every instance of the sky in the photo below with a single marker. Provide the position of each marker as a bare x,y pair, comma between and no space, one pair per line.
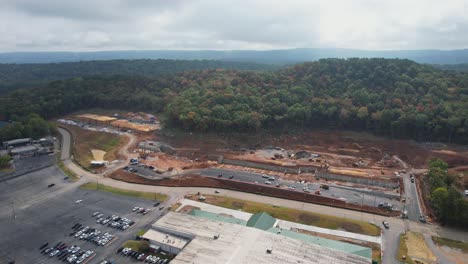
93,25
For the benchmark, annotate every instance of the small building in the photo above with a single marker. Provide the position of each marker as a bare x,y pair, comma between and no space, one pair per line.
17,142
95,119
24,151
261,221
46,142
98,163
166,241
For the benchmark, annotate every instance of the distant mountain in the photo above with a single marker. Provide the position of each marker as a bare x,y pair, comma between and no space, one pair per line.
463,67
35,74
286,56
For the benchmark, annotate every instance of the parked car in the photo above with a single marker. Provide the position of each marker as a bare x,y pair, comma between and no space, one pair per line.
51,185
232,176
78,201
422,219
317,192
385,224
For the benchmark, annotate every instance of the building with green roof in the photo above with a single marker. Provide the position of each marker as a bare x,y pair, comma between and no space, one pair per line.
262,221
266,222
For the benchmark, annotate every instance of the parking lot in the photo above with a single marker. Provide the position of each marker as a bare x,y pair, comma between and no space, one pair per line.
32,214
349,194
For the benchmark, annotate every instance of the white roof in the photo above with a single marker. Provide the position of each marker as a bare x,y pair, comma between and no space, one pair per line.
242,244
164,238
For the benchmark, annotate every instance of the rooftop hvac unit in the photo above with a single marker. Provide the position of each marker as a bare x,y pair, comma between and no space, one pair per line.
269,250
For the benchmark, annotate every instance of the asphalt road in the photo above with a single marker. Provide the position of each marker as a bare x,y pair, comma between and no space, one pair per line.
412,199
352,195
65,145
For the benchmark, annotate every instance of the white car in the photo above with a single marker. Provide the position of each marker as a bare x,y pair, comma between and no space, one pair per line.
466,192
78,201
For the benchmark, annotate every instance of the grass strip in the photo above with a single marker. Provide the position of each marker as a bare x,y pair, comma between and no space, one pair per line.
144,195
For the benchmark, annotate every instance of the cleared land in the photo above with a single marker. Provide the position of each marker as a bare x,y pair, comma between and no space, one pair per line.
414,247
298,216
86,140
105,188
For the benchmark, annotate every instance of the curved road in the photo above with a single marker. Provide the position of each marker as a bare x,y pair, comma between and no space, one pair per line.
390,236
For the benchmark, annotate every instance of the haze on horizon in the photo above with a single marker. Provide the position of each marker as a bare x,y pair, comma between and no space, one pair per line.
90,25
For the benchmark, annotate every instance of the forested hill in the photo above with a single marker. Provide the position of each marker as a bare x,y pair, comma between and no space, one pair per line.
398,98
281,56
21,75
463,67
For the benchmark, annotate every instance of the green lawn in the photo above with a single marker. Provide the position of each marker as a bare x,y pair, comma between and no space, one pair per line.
299,216
451,243
105,188
140,246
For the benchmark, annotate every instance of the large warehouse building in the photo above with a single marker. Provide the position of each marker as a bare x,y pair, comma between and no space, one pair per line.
198,239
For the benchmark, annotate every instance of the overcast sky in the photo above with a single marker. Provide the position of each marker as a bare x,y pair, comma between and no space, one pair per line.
88,25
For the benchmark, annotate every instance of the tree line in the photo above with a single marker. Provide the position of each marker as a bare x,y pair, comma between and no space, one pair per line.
448,203
14,76
29,126
392,97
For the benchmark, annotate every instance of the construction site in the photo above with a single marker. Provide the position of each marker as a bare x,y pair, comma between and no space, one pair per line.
354,170
343,169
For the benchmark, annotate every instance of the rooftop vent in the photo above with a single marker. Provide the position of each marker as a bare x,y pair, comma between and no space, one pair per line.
216,236
269,250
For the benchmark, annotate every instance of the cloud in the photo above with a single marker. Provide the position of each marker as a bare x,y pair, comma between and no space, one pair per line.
30,25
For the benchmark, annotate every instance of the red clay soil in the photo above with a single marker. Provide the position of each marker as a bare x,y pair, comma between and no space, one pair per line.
199,181
424,196
356,144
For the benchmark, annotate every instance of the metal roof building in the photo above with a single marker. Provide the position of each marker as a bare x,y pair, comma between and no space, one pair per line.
214,241
17,142
261,221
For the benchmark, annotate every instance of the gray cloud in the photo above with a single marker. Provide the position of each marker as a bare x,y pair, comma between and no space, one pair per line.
30,25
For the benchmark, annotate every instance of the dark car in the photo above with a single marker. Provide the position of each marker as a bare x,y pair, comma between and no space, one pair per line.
156,204
51,185
232,176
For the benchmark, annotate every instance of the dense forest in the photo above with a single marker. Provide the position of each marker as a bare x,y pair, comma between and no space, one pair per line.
463,67
392,97
21,75
449,205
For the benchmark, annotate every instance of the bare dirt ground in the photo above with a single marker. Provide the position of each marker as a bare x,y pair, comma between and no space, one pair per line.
85,141
338,148
418,249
